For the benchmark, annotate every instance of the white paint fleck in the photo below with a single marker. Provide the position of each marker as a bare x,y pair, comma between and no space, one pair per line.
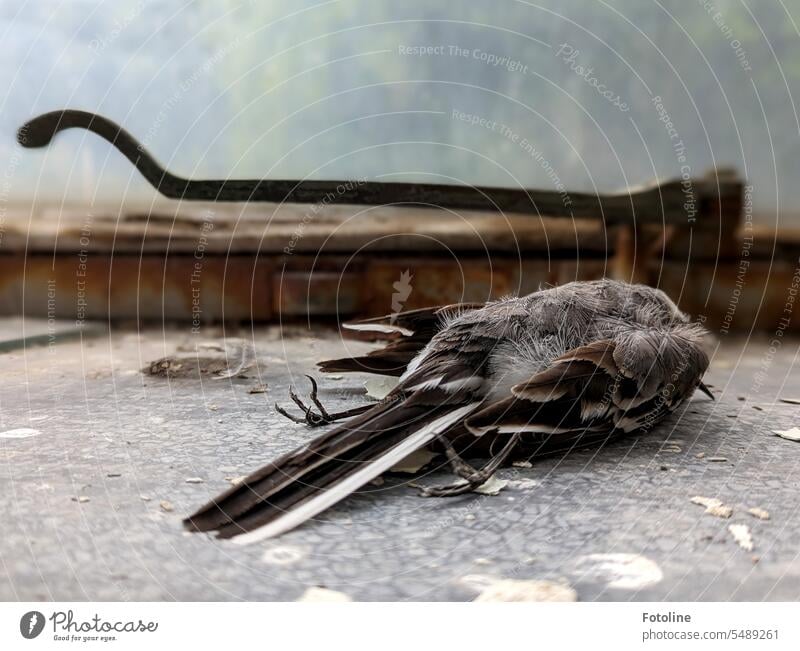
713,506
194,480
624,571
506,590
741,534
19,433
324,594
283,555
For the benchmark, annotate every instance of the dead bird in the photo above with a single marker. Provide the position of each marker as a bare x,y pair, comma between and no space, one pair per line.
583,361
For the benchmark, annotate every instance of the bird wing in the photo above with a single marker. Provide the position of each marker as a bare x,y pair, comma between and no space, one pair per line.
621,385
408,333
446,387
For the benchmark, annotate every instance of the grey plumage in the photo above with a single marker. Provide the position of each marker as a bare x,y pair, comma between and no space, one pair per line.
587,359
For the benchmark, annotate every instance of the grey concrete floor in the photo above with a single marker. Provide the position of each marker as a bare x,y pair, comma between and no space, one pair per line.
82,515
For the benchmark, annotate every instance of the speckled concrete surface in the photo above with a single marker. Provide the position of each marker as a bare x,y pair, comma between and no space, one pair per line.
82,516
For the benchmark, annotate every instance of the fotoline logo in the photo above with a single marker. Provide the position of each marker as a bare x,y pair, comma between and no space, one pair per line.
31,624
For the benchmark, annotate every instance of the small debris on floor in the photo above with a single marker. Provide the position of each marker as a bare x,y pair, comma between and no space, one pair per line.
741,534
242,358
194,480
81,499
379,387
166,506
283,555
792,434
144,498
257,388
111,475
378,481
492,486
718,459
756,512
235,481
19,433
790,401
469,516
323,594
482,561
713,506
522,464
185,366
700,455
510,590
523,484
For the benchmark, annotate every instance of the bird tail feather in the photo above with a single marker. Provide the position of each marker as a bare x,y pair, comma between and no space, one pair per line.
305,482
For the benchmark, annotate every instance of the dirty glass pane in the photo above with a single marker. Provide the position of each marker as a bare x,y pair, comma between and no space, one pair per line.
549,94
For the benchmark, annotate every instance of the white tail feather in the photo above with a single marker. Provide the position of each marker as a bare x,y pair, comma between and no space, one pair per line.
331,496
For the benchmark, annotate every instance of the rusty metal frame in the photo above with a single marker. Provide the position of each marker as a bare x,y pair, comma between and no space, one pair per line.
661,203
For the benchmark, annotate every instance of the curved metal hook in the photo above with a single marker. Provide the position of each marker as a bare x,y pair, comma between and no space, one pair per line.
654,203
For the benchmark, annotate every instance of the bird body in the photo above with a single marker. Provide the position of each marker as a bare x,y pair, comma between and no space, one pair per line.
580,361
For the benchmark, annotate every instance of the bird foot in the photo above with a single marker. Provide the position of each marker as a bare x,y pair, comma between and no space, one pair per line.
320,417
471,478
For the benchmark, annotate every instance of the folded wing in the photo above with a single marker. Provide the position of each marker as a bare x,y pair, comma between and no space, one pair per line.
408,333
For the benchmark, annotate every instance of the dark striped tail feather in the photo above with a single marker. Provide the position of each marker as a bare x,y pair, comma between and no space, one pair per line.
310,479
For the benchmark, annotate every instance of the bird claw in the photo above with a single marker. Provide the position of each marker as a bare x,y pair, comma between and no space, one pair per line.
471,478
315,418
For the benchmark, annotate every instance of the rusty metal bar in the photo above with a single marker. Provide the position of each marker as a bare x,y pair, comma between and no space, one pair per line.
670,202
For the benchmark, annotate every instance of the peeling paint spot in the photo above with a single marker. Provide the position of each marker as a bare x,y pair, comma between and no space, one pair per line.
713,506
741,534
624,571
324,594
507,590
283,555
